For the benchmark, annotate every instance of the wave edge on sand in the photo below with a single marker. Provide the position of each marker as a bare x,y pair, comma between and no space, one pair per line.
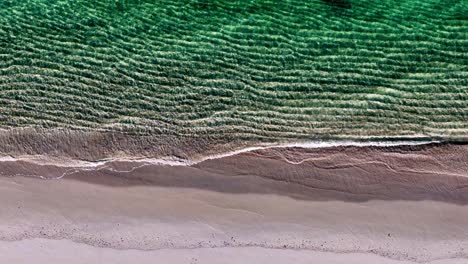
177,161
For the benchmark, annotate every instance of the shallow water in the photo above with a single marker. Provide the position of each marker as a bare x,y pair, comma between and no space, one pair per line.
256,70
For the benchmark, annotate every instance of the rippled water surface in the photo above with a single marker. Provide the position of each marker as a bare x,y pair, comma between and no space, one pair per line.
253,69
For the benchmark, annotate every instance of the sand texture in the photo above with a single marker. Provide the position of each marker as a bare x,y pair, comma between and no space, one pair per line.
369,204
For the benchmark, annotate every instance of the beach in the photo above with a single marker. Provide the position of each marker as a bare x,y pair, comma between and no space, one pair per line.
321,203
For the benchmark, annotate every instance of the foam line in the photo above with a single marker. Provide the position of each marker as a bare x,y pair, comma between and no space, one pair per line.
172,161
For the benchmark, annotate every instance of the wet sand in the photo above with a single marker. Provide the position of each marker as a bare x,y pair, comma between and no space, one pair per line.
368,204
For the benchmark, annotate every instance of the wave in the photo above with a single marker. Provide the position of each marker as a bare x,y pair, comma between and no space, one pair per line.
175,161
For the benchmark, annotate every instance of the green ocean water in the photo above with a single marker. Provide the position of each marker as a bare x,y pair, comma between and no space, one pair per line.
253,69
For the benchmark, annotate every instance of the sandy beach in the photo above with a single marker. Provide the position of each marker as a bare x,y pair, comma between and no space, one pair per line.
53,251
378,205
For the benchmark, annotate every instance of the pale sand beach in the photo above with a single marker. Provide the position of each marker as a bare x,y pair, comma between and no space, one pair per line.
53,251
378,205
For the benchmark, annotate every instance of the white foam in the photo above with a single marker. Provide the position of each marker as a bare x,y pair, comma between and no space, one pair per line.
172,161
7,158
320,144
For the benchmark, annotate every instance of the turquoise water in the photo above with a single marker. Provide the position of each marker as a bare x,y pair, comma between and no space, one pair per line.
265,69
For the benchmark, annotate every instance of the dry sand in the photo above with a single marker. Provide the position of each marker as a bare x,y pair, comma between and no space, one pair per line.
334,205
64,251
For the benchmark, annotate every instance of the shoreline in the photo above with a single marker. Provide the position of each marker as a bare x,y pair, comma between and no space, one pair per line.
404,203
409,172
174,161
93,146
